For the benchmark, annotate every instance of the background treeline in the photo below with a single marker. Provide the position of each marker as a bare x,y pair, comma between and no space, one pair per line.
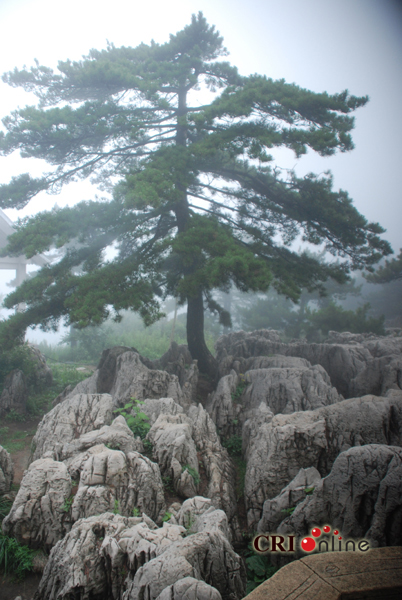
358,307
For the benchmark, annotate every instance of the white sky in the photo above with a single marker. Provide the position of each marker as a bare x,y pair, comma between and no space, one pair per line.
319,44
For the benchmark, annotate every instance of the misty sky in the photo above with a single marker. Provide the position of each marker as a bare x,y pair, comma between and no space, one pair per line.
328,45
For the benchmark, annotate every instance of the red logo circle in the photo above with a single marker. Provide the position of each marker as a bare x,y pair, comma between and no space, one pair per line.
308,544
316,532
327,529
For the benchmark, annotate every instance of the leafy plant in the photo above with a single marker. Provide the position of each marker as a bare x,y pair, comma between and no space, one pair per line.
136,420
116,509
14,415
168,483
15,558
148,447
259,569
166,516
309,490
241,386
5,507
193,472
288,511
136,511
233,445
67,504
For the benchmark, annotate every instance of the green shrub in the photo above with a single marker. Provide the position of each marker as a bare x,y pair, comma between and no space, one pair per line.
241,386
137,421
233,445
259,569
15,558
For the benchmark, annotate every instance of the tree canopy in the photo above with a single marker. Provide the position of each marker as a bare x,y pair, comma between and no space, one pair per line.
193,199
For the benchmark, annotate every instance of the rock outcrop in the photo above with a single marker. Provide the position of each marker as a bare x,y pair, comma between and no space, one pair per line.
361,497
281,384
281,445
120,557
6,471
355,367
122,374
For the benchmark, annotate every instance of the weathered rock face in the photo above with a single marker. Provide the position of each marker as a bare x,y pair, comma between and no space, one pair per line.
362,497
110,556
355,367
280,383
15,393
37,517
67,421
295,492
178,361
122,374
174,450
283,444
189,589
218,466
6,471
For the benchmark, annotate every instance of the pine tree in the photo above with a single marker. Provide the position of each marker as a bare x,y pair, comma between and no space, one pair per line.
195,202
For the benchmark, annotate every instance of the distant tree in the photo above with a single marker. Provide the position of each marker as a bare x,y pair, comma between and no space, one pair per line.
391,271
196,204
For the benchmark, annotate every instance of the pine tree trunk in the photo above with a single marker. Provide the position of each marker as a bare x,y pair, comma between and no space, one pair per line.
195,337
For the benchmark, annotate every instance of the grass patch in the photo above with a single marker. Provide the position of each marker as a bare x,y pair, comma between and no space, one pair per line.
241,467
15,559
16,440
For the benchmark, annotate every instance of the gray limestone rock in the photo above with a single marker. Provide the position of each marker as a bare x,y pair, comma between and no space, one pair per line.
207,556
122,374
6,471
174,449
110,480
15,393
37,517
217,464
78,414
361,497
286,443
117,436
189,589
354,366
111,556
296,491
77,567
289,389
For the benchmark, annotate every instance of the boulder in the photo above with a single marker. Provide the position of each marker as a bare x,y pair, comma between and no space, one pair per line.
6,471
174,450
116,436
361,497
111,556
178,361
217,464
78,414
15,393
123,374
189,589
283,444
38,515
296,491
110,480
77,567
355,366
